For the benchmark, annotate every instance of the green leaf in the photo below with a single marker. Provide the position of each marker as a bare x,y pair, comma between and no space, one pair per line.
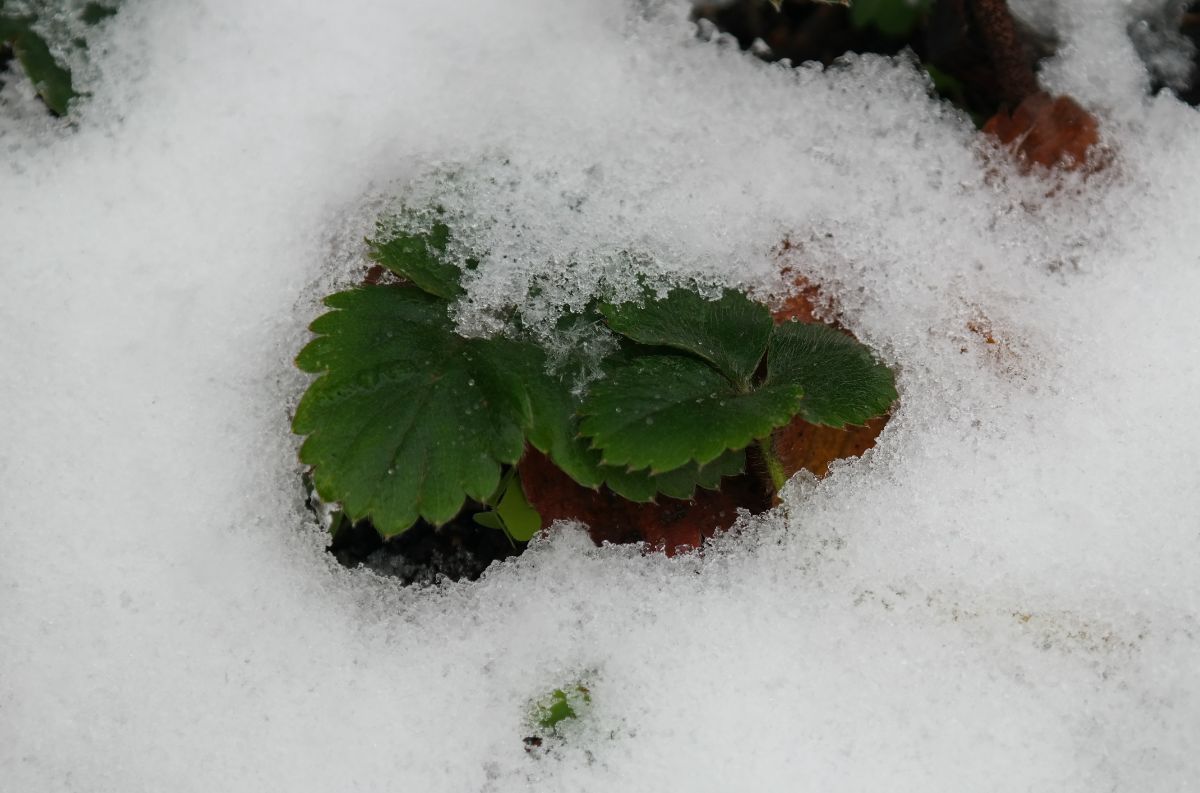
51,80
490,520
554,431
862,12
408,418
553,427
778,4
95,13
513,514
419,258
842,382
682,482
12,25
730,333
521,520
337,522
891,17
662,411
560,705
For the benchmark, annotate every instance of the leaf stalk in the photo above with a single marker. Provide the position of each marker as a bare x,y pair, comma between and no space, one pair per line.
776,475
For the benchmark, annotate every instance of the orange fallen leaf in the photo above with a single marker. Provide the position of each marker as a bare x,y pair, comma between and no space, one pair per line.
1048,131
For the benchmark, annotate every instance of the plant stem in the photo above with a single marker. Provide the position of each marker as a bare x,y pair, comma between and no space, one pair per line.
1006,50
775,473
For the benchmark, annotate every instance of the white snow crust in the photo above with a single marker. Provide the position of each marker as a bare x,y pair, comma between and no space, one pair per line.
1002,596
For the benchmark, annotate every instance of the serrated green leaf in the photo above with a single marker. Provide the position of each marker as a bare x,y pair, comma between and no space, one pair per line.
554,431
842,382
663,411
419,258
730,333
408,418
682,482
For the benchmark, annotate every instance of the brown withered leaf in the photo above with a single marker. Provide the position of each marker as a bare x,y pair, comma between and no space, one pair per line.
814,448
670,525
800,305
1052,131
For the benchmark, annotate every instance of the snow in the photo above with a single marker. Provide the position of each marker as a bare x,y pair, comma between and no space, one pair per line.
1002,596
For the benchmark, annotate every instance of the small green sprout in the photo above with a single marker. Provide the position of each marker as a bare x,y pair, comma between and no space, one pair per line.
561,705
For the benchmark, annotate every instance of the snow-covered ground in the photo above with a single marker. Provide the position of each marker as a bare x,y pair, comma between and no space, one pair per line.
1003,596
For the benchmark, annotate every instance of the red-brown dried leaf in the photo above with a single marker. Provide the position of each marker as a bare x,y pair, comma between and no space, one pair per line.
814,447
801,305
374,275
1048,131
671,525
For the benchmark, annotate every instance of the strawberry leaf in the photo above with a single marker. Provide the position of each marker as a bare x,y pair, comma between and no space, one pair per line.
663,411
730,333
408,418
554,430
50,78
419,258
680,483
842,382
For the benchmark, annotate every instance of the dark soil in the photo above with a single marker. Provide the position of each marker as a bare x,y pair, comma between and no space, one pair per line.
425,554
956,39
976,67
1189,26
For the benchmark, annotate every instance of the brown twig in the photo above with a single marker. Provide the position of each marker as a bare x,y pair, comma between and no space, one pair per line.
1006,49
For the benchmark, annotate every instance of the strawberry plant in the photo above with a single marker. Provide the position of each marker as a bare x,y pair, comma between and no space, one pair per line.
407,419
